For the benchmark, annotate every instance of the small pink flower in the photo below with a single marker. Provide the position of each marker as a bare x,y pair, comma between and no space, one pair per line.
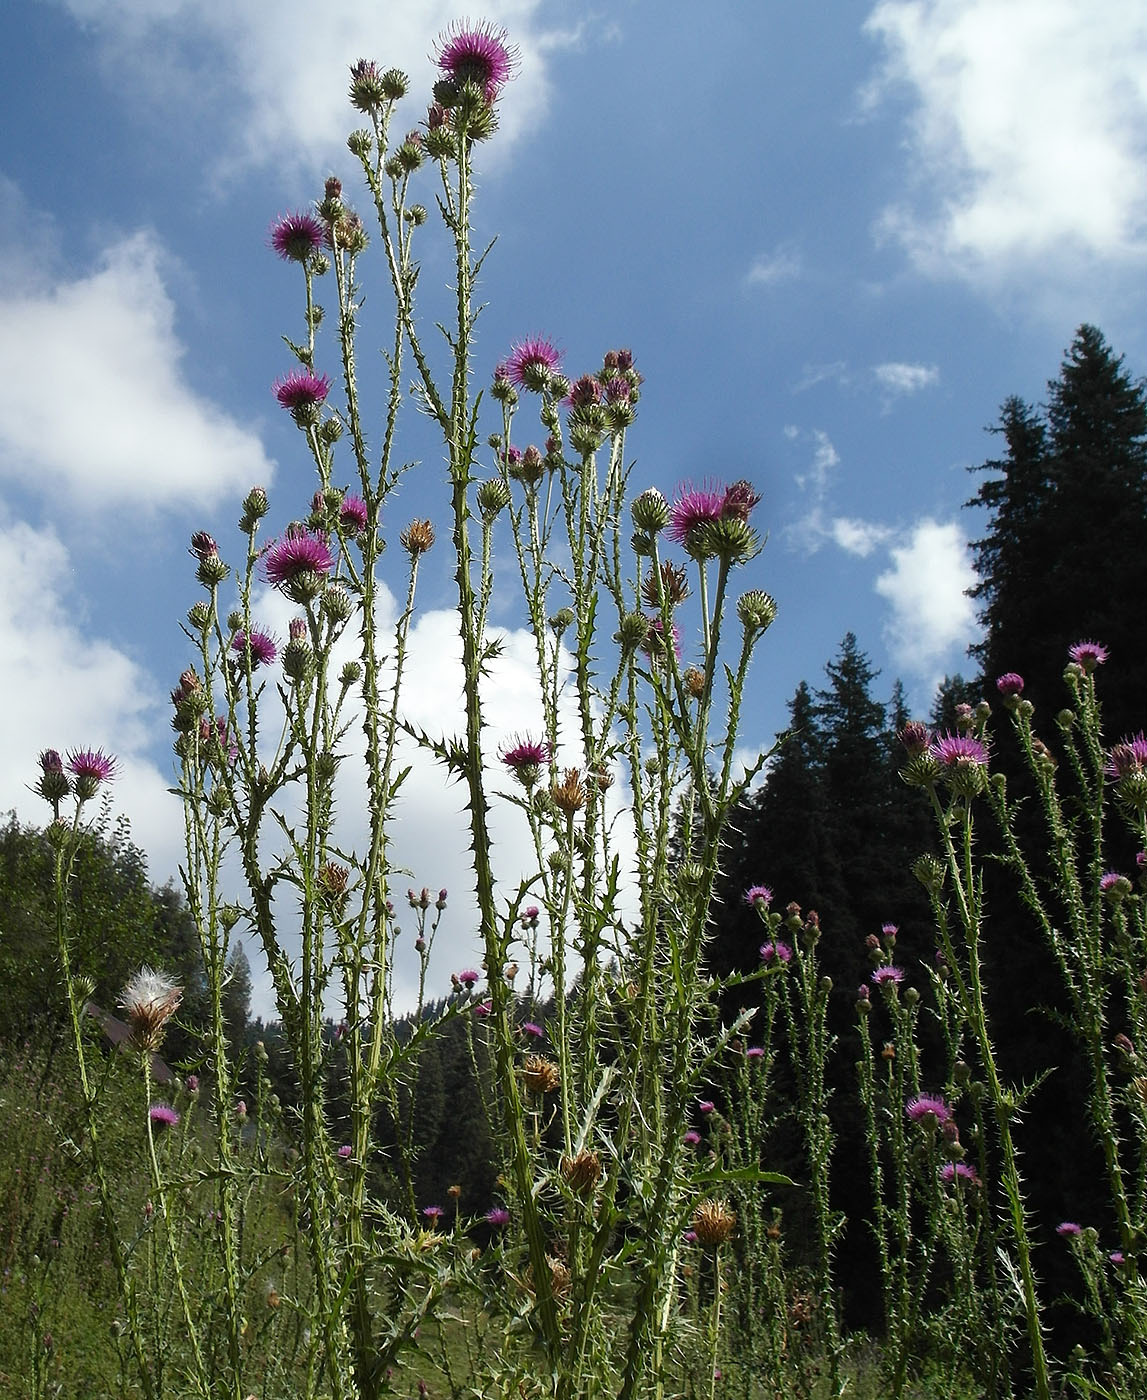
954,750
498,1217
91,764
163,1113
531,1028
777,952
754,1052
345,1151
1089,655
888,976
1068,1229
959,1171
469,978
483,1008
1128,756
298,552
433,1213
526,757
706,1106
691,1138
759,897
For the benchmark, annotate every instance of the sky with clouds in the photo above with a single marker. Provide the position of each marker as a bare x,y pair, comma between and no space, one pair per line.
835,236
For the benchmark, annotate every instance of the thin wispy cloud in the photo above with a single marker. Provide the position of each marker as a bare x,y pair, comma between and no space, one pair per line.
93,398
783,264
896,377
1027,130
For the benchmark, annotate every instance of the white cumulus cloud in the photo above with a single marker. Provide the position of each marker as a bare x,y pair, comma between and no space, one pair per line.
92,394
1028,129
931,617
783,264
896,377
278,72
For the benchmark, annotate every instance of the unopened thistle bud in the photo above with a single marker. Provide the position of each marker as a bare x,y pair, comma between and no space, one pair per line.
493,497
650,511
930,872
757,611
297,659
416,215
255,504
417,538
730,539
633,632
211,571
336,604
368,90
562,619
199,616
360,143
440,142
350,674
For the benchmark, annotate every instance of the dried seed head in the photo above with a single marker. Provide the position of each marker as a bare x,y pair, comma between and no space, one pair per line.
583,1172
149,1001
713,1222
540,1075
569,794
417,538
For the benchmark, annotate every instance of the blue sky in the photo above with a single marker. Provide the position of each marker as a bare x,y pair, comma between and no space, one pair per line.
836,237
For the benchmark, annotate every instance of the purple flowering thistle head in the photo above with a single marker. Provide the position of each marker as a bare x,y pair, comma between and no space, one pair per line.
477,53
483,1008
915,737
889,930
90,768
296,236
694,508
706,1106
759,897
1114,885
469,978
498,1217
1010,684
1116,1257
192,1083
302,390
51,762
959,1171
298,552
1128,756
1089,655
740,500
775,952
956,749
924,1106
433,1213
754,1052
532,363
345,1151
163,1113
262,646
531,1028
1068,1229
352,514
691,1138
526,757
888,976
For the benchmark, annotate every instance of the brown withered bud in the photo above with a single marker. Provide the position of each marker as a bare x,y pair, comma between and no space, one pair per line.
417,538
540,1076
583,1172
673,582
569,794
713,1222
693,679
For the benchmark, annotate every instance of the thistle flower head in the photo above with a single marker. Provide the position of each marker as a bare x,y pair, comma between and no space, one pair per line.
302,390
1128,756
888,976
1068,1229
352,514
713,1222
163,1113
959,1171
149,1001
477,53
540,1075
262,646
498,1217
532,362
299,552
774,953
90,768
526,758
963,759
1089,655
928,1105
1009,684
468,978
296,236
694,508
759,897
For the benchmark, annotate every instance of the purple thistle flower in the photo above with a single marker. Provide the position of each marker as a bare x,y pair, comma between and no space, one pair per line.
924,1105
302,389
1089,655
959,749
890,930
163,1113
740,499
1068,1229
754,1052
477,53
759,897
1116,1256
262,645
498,1217
51,762
433,1213
691,1138
655,639
532,1028
345,1151
777,952
92,764
483,1008
525,756
915,737
959,1171
298,552
706,1106
1010,683
694,508
469,978
888,976
1128,756
296,236
352,514
532,362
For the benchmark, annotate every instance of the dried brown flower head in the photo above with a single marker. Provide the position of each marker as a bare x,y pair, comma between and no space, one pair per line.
417,538
540,1075
713,1222
149,1001
583,1172
673,582
569,794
